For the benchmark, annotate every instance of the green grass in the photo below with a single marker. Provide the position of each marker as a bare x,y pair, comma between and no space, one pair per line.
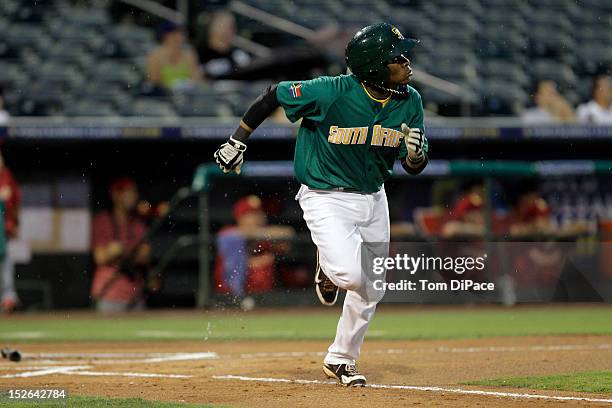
589,381
95,402
389,323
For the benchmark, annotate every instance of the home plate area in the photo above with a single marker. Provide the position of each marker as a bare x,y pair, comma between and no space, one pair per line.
268,373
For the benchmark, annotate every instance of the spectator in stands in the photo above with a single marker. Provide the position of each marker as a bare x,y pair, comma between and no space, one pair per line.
599,109
173,65
10,199
120,258
550,107
4,115
219,56
246,253
467,216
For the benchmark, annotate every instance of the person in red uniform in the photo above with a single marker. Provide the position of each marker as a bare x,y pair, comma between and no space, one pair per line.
531,215
467,216
246,254
540,262
115,236
11,197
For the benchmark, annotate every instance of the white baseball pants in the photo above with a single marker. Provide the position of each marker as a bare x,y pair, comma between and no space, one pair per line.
339,222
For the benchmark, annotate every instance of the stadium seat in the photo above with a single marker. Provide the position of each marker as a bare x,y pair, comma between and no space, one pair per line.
88,108
12,75
114,72
562,74
63,53
150,107
102,91
24,34
85,17
63,76
197,106
43,99
502,96
506,72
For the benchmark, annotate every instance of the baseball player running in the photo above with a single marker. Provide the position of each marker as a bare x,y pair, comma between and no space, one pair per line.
353,129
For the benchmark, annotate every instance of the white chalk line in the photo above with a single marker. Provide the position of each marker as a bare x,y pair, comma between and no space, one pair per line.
46,371
421,388
104,355
183,357
82,370
16,367
94,355
118,358
120,374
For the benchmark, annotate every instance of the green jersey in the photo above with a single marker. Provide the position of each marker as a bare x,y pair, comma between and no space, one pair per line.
347,138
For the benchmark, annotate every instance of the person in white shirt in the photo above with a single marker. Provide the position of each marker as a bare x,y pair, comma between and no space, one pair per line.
599,109
551,106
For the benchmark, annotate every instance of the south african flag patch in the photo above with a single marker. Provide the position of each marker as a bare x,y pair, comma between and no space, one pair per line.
296,90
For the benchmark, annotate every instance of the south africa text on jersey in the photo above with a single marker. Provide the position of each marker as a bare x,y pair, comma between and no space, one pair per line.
358,135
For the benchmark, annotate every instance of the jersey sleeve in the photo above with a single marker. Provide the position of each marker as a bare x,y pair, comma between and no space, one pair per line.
414,120
306,99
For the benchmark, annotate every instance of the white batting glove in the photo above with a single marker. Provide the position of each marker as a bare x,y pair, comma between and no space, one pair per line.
230,155
415,140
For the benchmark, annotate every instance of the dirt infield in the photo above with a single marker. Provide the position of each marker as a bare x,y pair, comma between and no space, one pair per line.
264,373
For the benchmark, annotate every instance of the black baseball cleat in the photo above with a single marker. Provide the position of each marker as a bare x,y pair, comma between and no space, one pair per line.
347,374
325,288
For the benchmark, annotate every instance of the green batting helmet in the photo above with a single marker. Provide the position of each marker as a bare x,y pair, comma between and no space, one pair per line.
372,48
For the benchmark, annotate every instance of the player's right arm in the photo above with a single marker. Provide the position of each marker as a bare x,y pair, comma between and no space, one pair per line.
303,99
230,155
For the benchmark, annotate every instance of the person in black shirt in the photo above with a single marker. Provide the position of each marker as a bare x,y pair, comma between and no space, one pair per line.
218,55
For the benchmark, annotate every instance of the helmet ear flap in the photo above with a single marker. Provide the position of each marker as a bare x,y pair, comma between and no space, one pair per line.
386,74
381,76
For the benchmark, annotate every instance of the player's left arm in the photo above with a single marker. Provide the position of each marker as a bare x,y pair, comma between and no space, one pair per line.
415,142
